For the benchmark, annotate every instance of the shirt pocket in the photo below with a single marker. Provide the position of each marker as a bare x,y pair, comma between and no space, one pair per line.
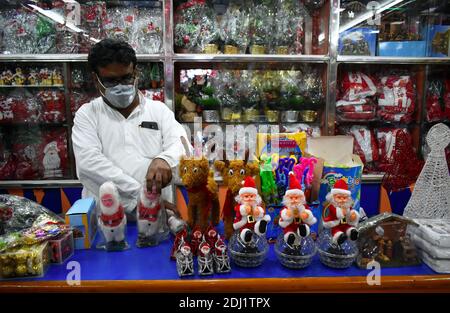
150,142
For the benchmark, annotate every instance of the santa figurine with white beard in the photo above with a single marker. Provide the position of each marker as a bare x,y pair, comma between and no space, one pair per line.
339,216
112,218
296,217
250,215
149,218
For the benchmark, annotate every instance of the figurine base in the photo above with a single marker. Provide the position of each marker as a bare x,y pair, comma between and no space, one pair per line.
116,246
250,254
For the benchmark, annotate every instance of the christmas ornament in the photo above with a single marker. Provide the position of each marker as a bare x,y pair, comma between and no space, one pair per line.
431,195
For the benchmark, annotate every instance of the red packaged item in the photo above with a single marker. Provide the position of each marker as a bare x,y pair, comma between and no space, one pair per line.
397,94
399,118
53,154
357,85
6,110
53,106
357,116
447,99
25,147
365,144
386,143
25,108
435,100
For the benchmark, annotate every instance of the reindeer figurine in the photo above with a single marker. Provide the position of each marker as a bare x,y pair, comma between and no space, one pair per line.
201,187
233,173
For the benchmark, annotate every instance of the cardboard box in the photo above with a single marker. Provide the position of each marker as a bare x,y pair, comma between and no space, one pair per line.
81,217
358,41
402,48
438,41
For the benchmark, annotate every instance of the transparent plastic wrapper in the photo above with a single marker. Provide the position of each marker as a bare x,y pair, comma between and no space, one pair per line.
396,101
356,86
336,256
61,247
24,221
6,110
54,154
386,138
384,239
24,105
365,144
289,27
234,29
152,220
25,32
25,261
250,254
438,100
53,106
297,256
311,87
261,28
26,150
357,110
112,220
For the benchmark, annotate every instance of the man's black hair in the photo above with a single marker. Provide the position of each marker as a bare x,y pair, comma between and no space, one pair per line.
110,51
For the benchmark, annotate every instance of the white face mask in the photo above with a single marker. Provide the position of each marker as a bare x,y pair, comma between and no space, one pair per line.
120,96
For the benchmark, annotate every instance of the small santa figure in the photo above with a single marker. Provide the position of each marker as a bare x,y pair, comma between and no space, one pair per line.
250,215
339,216
112,219
149,217
296,217
51,160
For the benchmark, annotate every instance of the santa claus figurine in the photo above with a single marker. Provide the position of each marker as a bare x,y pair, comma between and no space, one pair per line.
296,217
250,215
112,219
150,218
339,215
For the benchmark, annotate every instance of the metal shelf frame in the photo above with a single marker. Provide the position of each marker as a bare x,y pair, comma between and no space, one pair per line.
169,58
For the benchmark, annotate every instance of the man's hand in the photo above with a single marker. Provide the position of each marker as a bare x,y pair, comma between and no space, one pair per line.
159,175
353,217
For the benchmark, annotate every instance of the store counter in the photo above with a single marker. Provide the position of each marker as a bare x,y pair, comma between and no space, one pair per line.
150,269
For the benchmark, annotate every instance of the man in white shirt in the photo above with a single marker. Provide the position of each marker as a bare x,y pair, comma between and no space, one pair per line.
122,136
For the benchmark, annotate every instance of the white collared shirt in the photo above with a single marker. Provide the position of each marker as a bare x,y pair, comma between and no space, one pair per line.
110,147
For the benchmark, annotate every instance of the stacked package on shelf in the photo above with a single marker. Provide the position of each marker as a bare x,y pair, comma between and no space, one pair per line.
432,237
355,101
396,100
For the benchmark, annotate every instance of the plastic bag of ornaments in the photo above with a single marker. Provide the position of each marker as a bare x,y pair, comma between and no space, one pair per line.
23,105
26,32
53,106
357,86
357,110
396,102
365,144
19,215
53,154
438,100
432,237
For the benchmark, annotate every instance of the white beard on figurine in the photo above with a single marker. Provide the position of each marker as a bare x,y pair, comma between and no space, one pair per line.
51,161
151,218
112,218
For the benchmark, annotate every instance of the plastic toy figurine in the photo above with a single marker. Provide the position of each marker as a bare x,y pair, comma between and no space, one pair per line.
52,161
268,185
339,215
250,217
233,172
196,239
32,77
151,220
112,219
45,77
179,237
6,77
205,259
221,258
304,171
285,165
211,235
57,77
185,260
296,217
18,77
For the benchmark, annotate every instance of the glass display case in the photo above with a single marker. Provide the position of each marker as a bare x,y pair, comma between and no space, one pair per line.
364,68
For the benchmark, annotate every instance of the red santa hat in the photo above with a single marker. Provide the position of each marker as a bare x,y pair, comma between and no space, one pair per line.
340,187
248,186
294,186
